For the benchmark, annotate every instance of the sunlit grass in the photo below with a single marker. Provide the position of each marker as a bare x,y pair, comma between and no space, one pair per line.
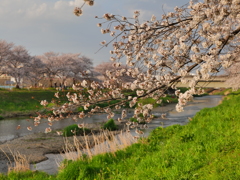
24,101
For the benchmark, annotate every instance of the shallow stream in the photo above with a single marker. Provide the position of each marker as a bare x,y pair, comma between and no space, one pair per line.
8,127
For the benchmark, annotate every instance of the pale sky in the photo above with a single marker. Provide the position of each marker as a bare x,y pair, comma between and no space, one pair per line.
50,25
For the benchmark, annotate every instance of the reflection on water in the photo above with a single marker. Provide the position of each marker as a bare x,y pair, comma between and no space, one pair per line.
8,127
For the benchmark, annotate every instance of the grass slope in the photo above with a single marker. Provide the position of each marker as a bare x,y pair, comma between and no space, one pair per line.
23,101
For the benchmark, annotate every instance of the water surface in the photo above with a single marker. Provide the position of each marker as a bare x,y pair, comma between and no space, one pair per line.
173,117
8,127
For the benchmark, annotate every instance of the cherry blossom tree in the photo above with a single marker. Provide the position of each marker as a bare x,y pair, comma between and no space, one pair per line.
52,67
105,67
34,71
82,69
102,68
5,51
14,64
67,64
78,10
200,37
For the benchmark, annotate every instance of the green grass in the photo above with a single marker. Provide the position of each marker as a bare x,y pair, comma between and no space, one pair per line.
110,125
22,101
36,175
73,129
165,100
222,92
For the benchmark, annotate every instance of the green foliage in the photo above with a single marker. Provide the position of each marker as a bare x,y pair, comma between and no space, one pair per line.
132,119
1,118
105,104
183,89
128,92
75,130
33,175
3,177
110,125
165,100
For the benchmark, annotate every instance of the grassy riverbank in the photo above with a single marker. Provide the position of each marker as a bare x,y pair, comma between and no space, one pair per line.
22,101
206,148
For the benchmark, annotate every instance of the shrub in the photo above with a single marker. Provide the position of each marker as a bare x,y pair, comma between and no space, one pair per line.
68,131
132,119
1,118
110,125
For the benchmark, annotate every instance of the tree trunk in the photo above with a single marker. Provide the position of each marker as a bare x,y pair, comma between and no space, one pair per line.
51,81
74,81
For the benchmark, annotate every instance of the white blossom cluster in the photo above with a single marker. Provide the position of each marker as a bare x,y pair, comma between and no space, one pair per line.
200,38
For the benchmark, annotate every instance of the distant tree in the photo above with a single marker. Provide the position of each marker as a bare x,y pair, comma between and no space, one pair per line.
82,69
34,71
51,65
66,65
102,68
5,52
15,63
122,71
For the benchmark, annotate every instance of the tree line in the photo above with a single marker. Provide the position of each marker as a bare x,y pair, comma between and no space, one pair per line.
16,62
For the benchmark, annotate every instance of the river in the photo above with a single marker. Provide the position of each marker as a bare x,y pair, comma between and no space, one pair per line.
8,127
